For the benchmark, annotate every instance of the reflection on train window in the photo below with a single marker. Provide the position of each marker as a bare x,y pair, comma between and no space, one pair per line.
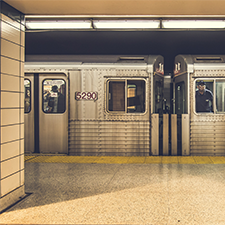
220,96
27,96
54,96
127,96
204,96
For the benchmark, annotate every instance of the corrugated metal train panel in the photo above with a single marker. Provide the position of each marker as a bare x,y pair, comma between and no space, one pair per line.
108,136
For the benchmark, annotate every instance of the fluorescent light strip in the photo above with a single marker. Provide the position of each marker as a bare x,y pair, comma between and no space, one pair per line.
78,24
193,24
126,24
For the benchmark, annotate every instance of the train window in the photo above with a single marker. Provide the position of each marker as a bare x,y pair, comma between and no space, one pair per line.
131,94
116,96
54,96
204,96
27,96
135,96
220,96
126,96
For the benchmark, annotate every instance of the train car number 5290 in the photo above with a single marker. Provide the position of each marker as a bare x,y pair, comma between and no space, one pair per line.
84,95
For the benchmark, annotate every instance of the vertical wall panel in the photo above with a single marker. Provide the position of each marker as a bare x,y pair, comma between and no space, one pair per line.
12,106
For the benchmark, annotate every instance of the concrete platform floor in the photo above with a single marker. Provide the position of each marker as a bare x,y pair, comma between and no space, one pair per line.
78,193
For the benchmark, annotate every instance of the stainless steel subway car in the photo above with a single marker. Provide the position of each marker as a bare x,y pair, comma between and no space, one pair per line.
92,105
199,90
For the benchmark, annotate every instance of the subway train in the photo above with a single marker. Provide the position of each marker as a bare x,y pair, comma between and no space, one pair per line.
91,105
124,105
205,114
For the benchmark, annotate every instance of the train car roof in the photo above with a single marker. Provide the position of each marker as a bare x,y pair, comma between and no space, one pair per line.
201,62
192,59
81,59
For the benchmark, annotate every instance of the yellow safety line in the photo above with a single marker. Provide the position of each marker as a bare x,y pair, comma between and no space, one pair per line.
28,157
125,159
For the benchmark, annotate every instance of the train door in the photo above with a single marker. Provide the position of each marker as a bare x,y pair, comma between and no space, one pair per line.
179,118
29,114
157,115
49,114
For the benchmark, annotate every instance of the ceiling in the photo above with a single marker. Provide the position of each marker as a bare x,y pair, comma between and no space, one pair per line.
121,7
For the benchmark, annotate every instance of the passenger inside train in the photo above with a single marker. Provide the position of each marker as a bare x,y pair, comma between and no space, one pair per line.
27,97
204,98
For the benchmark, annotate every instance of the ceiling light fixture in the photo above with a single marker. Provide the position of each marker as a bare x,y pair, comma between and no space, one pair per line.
54,24
126,24
193,24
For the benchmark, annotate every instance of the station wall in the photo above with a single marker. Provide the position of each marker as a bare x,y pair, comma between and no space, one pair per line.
12,106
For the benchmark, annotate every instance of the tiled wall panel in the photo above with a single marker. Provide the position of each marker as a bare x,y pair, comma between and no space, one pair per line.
10,83
9,167
22,69
10,116
22,115
21,131
9,150
10,66
10,183
21,83
10,100
10,33
22,54
21,177
22,36
12,107
10,21
9,49
10,133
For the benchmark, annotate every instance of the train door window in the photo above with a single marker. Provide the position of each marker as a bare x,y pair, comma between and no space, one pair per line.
180,98
220,96
54,96
27,96
204,96
126,96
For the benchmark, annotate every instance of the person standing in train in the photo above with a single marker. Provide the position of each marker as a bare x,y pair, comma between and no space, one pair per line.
56,103
204,98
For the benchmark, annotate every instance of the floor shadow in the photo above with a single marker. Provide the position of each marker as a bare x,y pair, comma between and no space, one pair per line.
58,182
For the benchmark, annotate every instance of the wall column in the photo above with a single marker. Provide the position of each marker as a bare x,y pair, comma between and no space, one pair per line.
12,35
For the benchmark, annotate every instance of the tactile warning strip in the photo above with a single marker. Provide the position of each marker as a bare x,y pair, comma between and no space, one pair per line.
125,159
